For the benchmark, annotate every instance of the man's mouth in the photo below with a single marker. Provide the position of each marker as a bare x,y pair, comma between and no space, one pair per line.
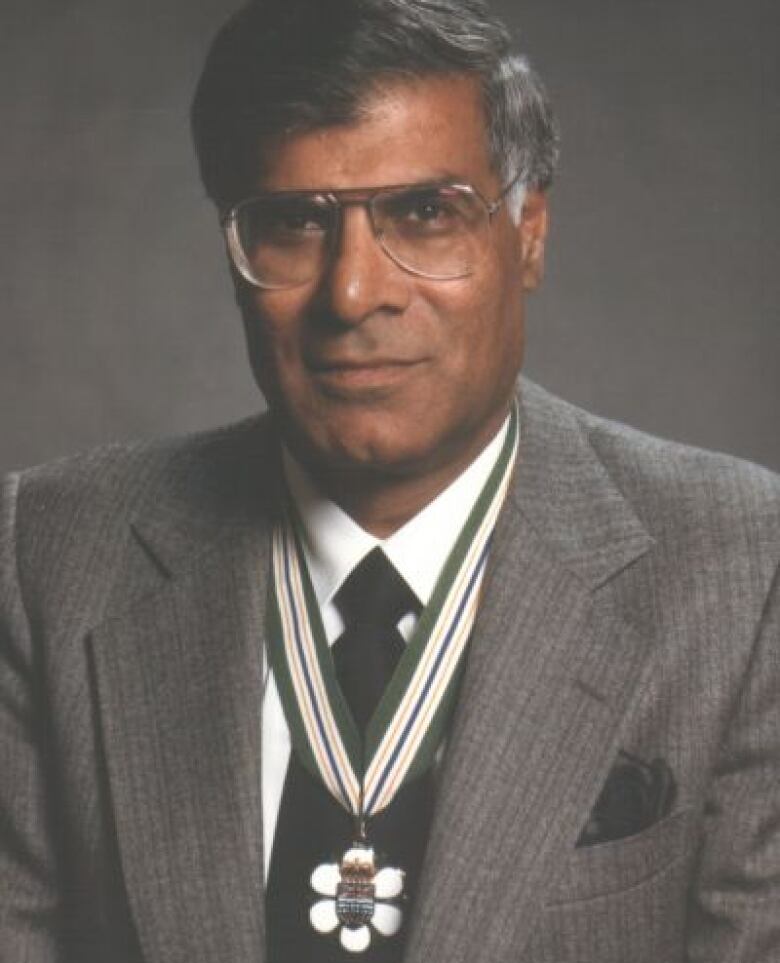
347,376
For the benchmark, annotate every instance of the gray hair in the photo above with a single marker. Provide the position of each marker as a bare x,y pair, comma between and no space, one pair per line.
279,66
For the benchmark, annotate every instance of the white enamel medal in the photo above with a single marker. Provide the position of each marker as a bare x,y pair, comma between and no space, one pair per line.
357,898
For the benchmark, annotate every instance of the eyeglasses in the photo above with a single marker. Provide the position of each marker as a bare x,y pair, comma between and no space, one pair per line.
284,239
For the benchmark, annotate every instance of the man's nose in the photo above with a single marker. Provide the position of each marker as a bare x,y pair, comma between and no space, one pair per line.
361,279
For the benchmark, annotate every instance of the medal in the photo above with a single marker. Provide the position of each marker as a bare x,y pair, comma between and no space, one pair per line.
358,898
407,727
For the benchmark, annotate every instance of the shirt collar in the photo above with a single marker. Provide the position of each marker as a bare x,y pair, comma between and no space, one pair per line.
334,543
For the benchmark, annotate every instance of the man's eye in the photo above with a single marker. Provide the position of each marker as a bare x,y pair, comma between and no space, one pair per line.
431,209
297,218
426,209
425,212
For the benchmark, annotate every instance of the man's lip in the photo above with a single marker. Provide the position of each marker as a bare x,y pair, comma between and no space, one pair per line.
350,375
365,364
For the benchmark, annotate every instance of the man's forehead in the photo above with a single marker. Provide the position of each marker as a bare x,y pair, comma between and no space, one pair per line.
405,131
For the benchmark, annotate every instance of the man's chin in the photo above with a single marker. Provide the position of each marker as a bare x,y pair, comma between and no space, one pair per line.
360,446
355,457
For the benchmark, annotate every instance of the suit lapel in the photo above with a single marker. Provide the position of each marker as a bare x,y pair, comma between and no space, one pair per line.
179,682
552,669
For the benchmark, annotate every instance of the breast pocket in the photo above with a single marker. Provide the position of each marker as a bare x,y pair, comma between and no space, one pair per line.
621,900
616,866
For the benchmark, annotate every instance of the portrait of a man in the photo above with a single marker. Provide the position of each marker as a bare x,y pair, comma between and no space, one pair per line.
424,663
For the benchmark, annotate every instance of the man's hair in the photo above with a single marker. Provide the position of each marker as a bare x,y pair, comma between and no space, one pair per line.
282,66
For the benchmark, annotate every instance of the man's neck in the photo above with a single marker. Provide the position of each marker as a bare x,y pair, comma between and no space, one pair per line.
378,507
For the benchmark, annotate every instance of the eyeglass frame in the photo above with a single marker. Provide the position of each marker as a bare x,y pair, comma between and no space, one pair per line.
337,200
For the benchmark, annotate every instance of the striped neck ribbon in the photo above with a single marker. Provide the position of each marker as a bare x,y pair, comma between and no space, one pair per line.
407,727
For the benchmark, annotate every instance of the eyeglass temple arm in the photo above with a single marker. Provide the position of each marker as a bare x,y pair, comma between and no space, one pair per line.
492,208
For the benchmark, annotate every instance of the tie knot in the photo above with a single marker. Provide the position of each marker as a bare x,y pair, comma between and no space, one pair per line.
375,592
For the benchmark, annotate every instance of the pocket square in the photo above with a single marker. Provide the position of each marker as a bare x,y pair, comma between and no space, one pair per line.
635,795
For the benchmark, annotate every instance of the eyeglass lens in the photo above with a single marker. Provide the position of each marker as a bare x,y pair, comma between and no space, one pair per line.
436,232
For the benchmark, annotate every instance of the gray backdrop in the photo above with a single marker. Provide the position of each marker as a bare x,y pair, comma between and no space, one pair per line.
659,307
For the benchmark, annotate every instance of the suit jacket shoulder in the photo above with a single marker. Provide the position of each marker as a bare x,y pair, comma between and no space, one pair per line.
73,519
703,503
691,485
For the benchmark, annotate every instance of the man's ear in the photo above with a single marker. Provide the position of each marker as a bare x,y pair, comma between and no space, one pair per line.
533,234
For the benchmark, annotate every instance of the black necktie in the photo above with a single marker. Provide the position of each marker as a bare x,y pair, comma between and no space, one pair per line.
312,828
371,601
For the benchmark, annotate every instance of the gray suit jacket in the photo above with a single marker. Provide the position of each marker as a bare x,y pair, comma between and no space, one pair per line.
632,603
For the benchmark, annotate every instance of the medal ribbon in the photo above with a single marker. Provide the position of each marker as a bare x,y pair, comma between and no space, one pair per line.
408,724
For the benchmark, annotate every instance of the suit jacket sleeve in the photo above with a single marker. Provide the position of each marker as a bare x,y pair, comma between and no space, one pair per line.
736,911
29,908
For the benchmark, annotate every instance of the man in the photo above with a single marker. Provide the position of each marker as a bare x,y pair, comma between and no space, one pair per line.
572,751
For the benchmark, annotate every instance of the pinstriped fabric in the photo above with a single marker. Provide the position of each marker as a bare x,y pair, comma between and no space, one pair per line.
63,882
29,865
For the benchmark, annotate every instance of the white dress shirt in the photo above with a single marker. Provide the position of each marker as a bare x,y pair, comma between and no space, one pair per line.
333,544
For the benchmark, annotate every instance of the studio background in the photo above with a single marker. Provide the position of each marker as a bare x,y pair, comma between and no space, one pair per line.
660,302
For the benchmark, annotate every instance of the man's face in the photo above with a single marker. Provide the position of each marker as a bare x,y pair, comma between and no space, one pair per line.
373,368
